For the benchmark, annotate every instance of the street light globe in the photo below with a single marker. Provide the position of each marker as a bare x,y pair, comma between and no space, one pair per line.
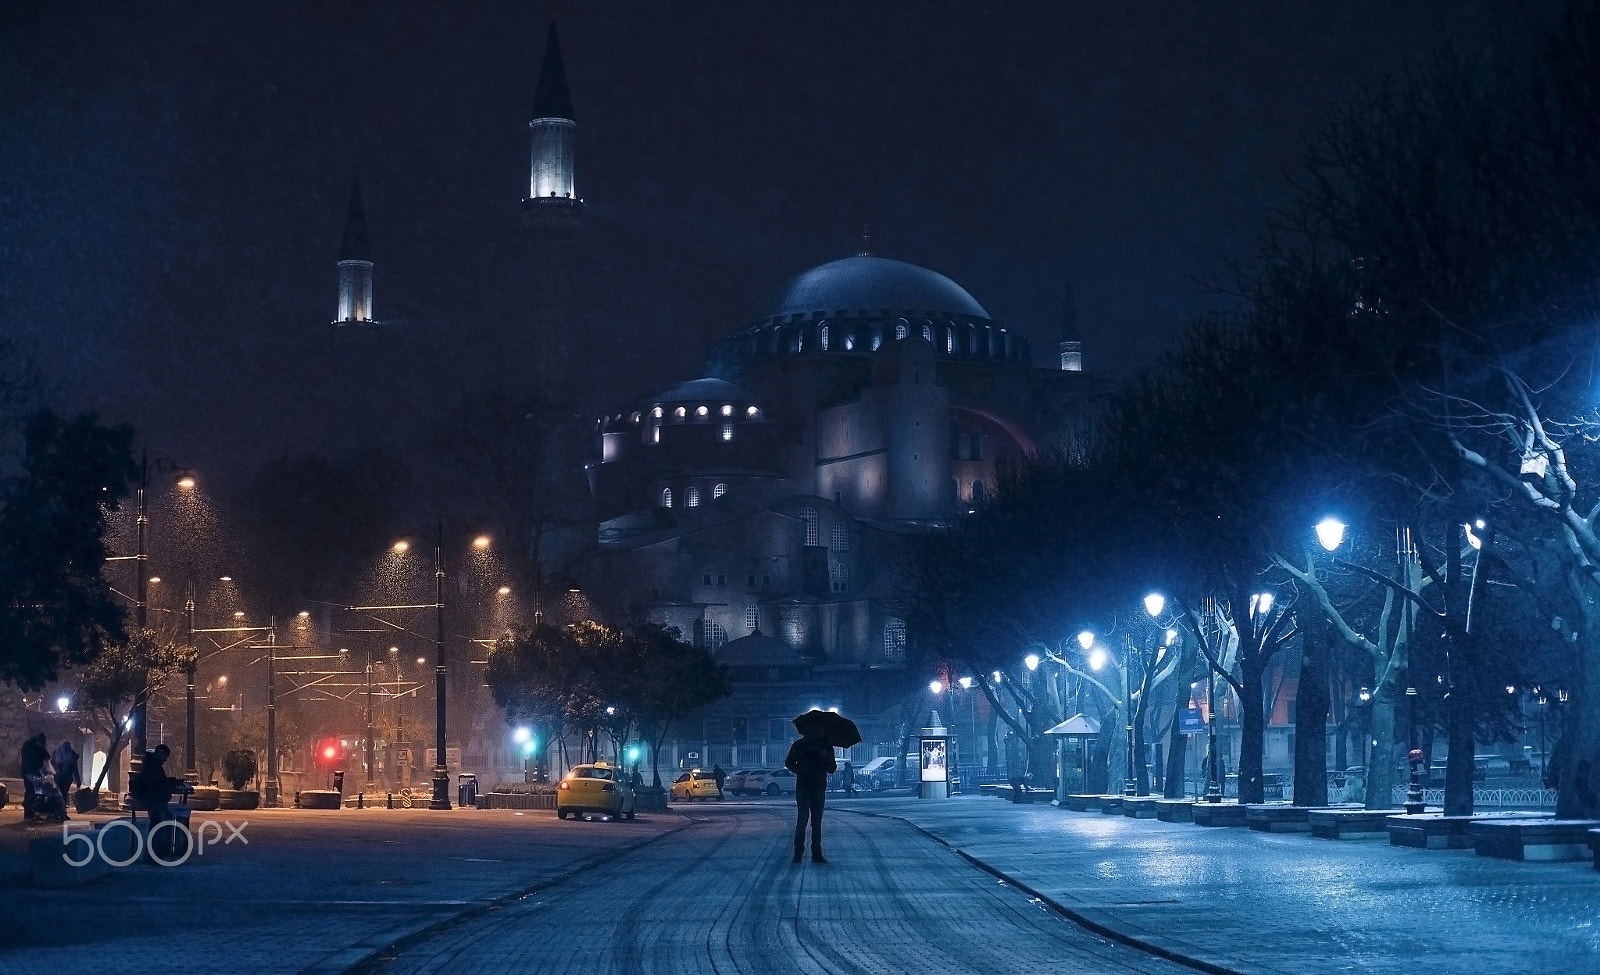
402,547
1031,661
504,590
1472,537
422,660
966,683
305,614
186,482
611,710
1261,603
1154,604
1097,658
153,580
63,702
1330,533
1172,637
1086,639
997,676
481,542
522,735
936,686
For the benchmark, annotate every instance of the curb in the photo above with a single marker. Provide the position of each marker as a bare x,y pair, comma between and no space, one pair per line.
360,959
1075,916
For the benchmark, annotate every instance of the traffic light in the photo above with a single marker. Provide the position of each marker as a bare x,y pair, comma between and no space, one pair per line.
330,752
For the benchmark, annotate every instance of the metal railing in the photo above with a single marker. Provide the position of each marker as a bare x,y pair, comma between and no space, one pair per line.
1488,798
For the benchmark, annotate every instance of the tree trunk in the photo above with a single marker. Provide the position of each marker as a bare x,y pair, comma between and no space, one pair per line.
1141,768
992,757
1252,730
1380,764
1311,715
1578,772
1177,754
1460,762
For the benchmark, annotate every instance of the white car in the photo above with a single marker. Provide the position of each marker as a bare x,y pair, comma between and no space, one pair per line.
777,782
735,782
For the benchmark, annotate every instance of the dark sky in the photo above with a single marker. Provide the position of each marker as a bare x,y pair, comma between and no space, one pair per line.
173,176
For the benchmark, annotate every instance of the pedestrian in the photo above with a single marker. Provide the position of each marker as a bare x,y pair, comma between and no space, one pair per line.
35,755
1017,766
68,773
811,760
847,778
721,775
152,788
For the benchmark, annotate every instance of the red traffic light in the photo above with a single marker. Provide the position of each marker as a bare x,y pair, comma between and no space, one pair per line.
329,751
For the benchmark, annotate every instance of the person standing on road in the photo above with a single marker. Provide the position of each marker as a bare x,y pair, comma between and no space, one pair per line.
68,774
720,775
152,787
847,779
35,755
810,758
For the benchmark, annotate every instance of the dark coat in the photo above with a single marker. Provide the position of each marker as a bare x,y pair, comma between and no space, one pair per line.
811,761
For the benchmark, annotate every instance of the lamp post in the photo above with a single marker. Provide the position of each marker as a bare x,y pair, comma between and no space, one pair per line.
441,773
190,661
1130,785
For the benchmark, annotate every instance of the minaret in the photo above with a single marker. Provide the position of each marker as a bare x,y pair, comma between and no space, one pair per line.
551,213
355,266
1071,347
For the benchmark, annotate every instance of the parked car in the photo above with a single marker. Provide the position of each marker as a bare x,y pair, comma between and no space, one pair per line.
594,789
735,782
749,783
880,773
777,782
695,784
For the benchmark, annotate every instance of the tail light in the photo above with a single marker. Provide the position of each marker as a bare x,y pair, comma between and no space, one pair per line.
565,785
608,787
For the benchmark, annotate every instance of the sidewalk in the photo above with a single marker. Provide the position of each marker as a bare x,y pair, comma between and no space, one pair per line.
1277,903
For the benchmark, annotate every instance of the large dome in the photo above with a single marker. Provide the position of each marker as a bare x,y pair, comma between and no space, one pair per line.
857,283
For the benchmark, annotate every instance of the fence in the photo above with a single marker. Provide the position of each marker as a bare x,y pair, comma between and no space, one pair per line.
1486,798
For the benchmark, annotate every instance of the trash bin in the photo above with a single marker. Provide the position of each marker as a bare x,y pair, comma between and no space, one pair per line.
338,782
467,790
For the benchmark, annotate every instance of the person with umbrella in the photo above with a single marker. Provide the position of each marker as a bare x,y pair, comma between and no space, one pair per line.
811,760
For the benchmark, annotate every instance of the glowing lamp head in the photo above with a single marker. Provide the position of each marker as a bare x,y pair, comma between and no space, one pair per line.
1261,603
1086,639
522,735
186,482
63,702
1097,658
1031,661
330,752
1172,637
223,680
305,614
504,590
422,660
401,547
633,754
153,580
936,687
996,675
1330,533
481,542
611,710
966,683
1472,537
1155,604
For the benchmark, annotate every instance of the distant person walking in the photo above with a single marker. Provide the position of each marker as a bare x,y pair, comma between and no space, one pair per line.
811,760
68,773
847,779
35,755
721,775
152,787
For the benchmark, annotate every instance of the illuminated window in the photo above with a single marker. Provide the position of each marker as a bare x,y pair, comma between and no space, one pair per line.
838,577
727,409
727,431
927,332
752,412
656,412
701,412
839,538
950,341
900,330
794,627
894,638
752,617
813,531
679,413
635,417
691,498
849,342
655,434
822,337
666,497
714,635
719,491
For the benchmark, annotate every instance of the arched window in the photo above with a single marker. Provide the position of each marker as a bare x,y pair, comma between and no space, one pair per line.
950,340
727,431
822,337
838,577
927,332
701,411
712,635
666,497
691,498
719,491
752,617
900,329
679,413
839,538
656,412
849,341
894,638
727,409
813,528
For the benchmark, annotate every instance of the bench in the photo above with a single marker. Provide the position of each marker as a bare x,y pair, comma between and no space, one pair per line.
1175,810
1082,803
1435,831
1350,824
1543,840
1276,817
1111,804
1140,807
1219,814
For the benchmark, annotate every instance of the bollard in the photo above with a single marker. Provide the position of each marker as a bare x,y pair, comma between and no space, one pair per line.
390,803
360,799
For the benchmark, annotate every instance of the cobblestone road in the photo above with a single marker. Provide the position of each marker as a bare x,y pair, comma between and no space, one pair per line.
722,897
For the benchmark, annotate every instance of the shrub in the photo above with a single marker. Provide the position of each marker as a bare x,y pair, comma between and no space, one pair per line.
239,767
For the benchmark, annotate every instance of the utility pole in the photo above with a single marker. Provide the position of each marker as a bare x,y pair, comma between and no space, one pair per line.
190,775
441,773
273,786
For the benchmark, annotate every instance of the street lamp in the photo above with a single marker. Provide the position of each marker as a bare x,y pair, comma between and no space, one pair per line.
936,687
1154,604
1031,661
1330,533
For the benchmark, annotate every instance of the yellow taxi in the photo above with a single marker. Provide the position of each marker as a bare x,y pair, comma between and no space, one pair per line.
596,788
695,784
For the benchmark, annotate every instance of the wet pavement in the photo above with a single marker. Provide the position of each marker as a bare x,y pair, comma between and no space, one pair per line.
1280,902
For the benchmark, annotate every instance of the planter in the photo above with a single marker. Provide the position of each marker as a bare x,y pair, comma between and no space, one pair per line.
238,799
84,800
205,798
516,800
1218,814
5,795
318,799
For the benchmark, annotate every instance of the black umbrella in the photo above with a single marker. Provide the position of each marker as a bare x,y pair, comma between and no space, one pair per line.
838,730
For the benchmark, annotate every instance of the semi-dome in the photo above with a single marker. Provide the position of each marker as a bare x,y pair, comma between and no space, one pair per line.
874,282
698,390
